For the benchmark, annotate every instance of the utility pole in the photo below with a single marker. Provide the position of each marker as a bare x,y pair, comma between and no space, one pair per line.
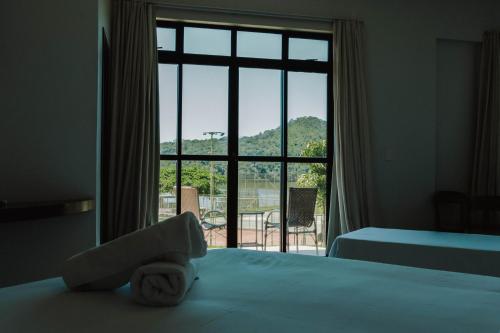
212,166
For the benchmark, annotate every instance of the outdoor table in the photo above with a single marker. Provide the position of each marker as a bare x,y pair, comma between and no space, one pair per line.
256,214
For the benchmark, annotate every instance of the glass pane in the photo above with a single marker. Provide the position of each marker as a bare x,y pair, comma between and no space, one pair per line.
204,110
165,39
306,208
259,45
167,79
204,192
308,49
259,205
260,112
306,113
167,204
207,41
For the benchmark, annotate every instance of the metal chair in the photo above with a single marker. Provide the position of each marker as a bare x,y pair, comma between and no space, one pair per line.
209,220
300,219
272,223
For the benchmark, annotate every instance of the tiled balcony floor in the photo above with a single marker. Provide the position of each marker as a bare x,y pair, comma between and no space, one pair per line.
305,246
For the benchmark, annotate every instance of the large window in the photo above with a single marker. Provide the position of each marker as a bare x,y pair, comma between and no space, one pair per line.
245,132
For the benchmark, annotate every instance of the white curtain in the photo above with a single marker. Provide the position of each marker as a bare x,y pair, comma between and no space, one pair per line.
486,166
130,184
350,202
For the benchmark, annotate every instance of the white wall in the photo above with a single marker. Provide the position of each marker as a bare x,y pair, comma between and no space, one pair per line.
457,90
48,128
401,67
497,16
103,31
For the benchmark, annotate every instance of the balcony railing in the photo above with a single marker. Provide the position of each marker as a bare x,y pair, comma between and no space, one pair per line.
250,233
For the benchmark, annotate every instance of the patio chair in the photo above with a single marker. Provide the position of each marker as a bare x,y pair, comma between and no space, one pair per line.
300,219
209,220
271,225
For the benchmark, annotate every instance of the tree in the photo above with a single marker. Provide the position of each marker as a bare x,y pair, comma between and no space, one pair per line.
316,175
167,179
193,175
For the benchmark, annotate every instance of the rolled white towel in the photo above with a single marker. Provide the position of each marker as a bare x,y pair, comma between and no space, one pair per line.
162,283
111,265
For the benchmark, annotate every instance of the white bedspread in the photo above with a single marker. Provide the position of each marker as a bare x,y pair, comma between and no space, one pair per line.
467,253
245,291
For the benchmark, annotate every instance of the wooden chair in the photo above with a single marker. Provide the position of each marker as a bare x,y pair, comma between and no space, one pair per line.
213,221
489,207
452,198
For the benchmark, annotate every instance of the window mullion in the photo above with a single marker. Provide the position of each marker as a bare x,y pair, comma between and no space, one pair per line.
178,175
329,136
232,176
284,147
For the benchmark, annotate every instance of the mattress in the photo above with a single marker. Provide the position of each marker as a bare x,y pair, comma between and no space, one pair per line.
246,291
466,253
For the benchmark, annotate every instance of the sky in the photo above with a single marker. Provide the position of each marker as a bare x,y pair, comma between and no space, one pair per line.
205,88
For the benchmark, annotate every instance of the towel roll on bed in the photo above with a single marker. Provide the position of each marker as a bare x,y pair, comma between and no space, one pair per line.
111,265
162,283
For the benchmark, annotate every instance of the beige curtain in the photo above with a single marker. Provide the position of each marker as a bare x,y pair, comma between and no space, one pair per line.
350,203
486,166
130,184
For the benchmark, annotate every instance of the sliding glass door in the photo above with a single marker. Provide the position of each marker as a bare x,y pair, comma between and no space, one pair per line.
246,134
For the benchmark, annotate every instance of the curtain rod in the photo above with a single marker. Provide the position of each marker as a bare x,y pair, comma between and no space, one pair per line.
212,9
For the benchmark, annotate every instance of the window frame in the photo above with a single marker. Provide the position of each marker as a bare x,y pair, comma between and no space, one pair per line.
232,158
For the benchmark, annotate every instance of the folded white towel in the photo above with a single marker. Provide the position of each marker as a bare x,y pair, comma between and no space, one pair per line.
112,264
162,283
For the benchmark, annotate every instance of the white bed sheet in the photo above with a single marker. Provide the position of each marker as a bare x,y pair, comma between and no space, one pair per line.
245,291
467,253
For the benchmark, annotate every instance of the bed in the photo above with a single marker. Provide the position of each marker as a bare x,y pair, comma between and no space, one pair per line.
466,253
248,291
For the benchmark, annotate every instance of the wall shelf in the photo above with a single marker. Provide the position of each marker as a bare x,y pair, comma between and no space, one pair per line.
21,211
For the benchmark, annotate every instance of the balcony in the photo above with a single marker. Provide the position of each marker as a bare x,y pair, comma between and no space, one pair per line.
254,211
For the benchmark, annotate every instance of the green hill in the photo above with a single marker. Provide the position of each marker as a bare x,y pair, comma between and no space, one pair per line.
303,132
267,143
